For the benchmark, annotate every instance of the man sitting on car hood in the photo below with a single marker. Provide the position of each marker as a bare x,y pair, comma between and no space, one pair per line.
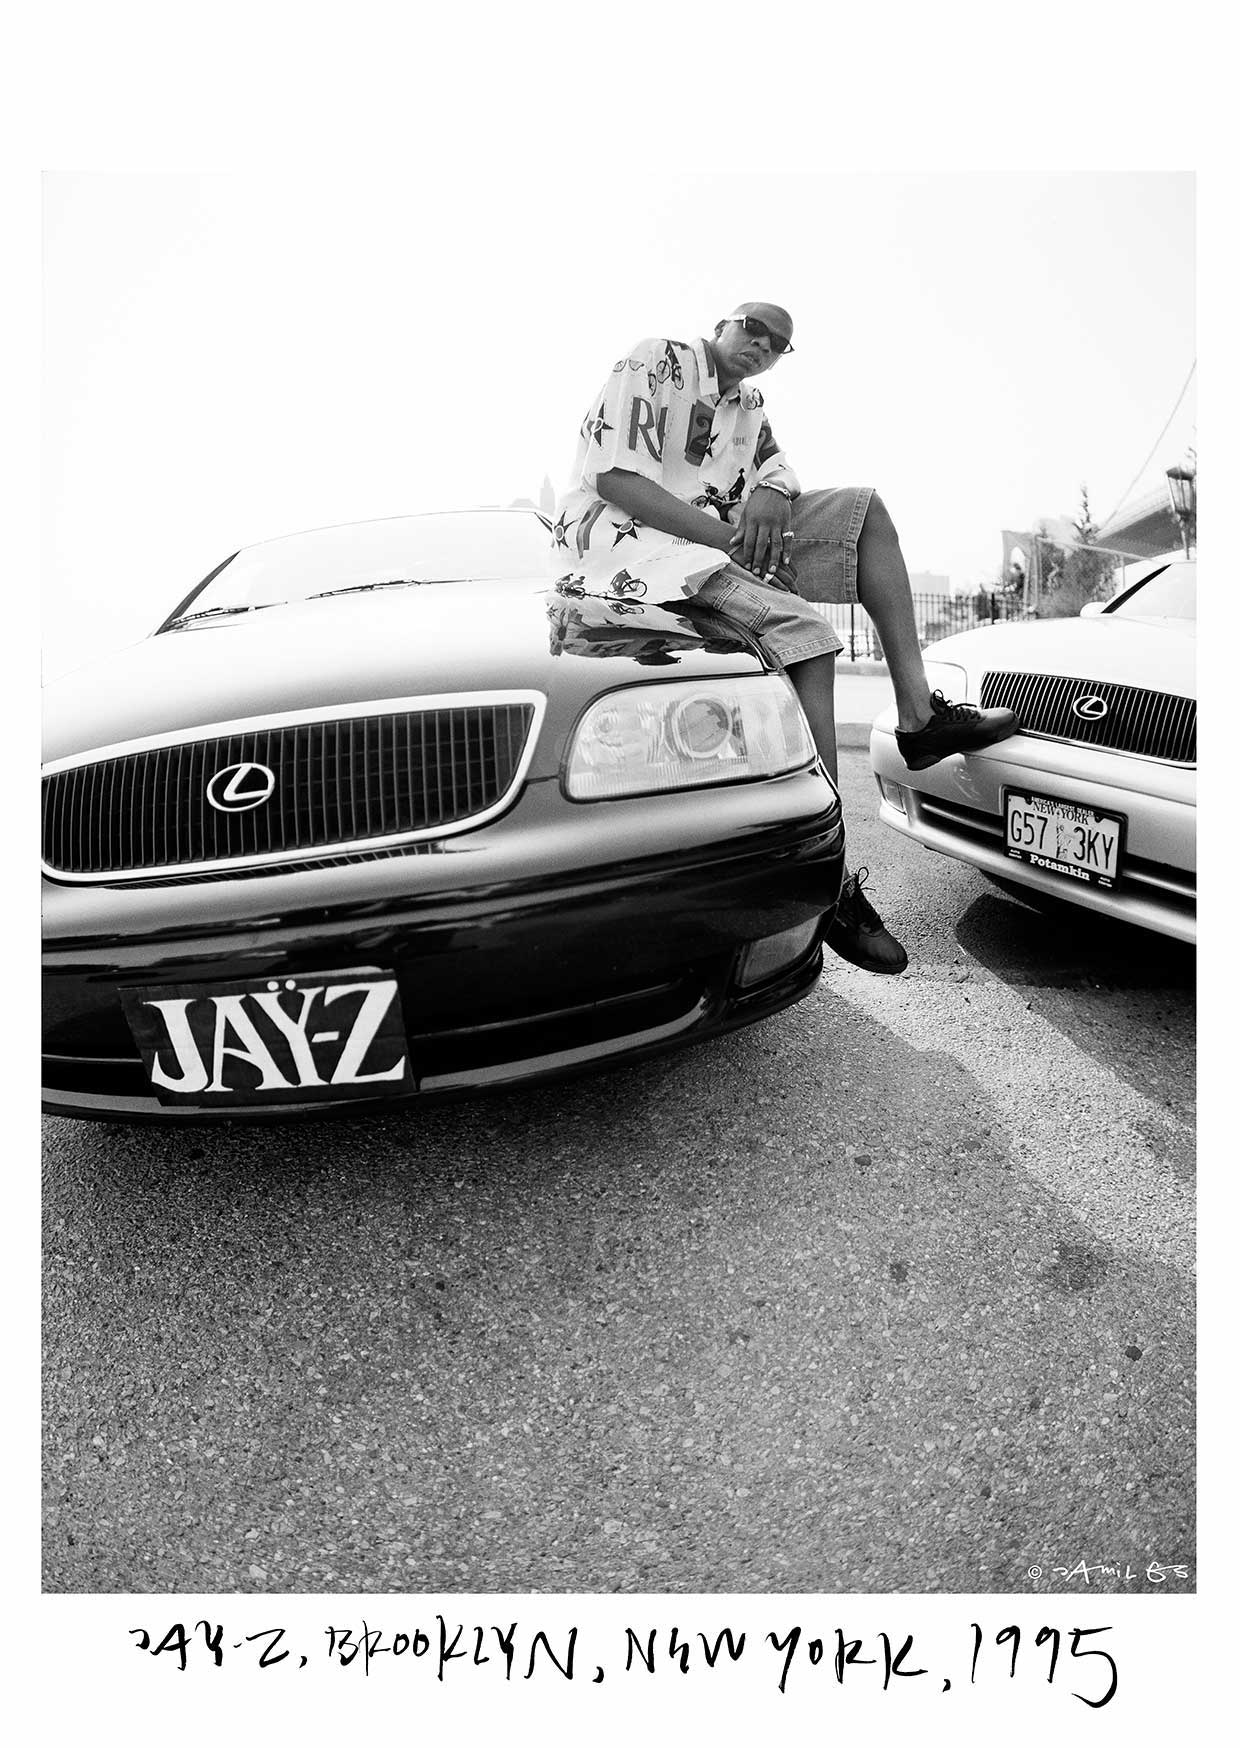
680,484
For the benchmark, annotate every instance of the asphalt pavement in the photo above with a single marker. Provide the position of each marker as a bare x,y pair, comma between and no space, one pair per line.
892,1292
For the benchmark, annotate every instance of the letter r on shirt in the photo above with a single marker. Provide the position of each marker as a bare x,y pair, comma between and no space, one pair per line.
642,424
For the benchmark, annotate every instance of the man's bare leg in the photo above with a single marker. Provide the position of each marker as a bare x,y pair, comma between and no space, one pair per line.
883,590
926,731
814,683
857,933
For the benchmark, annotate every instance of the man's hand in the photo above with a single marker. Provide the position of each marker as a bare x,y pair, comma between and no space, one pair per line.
762,540
782,577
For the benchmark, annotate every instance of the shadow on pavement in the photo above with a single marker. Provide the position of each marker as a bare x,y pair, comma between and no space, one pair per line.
1064,947
1125,997
776,1314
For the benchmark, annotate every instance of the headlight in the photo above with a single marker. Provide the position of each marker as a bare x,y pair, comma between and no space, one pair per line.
687,734
947,678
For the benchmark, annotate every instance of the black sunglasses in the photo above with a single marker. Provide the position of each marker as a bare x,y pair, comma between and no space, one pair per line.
760,331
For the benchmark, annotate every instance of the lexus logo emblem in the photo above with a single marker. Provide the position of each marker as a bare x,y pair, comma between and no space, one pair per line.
1089,707
237,788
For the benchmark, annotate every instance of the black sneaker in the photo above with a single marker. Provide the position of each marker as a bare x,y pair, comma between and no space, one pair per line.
953,728
857,933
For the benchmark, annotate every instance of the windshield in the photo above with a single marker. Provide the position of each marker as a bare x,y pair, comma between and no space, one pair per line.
1170,593
450,547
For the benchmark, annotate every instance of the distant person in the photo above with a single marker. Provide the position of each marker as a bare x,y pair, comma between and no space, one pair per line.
676,465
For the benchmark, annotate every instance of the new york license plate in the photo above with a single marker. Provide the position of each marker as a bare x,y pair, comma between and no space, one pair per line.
274,1040
1063,837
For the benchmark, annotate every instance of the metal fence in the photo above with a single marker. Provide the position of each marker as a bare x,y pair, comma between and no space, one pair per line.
937,616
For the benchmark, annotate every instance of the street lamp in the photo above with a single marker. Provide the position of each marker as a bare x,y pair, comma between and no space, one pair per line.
1182,485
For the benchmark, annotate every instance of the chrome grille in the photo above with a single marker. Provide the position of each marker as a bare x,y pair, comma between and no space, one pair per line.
1155,725
340,782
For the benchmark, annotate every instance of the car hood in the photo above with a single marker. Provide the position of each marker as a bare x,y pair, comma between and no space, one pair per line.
431,640
1156,653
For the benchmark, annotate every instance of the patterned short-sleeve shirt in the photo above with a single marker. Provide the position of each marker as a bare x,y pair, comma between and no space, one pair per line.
660,414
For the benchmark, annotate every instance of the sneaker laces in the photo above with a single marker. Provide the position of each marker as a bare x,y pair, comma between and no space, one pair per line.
854,904
945,711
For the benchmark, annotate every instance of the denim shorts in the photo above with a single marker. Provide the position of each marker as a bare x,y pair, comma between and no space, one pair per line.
788,630
826,525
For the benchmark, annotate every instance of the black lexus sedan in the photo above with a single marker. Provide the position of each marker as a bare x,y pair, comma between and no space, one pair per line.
388,811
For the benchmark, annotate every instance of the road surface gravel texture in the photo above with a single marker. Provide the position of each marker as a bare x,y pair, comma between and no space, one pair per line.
891,1293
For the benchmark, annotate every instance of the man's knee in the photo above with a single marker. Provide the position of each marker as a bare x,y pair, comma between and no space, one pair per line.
813,671
878,529
880,560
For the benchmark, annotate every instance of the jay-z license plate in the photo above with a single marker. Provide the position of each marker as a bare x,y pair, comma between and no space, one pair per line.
273,1040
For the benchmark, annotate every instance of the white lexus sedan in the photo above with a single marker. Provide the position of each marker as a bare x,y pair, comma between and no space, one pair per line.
1094,800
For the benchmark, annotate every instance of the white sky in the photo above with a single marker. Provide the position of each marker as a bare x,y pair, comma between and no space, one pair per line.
234,356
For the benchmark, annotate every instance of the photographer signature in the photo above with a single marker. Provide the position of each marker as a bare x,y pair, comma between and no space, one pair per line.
1153,1571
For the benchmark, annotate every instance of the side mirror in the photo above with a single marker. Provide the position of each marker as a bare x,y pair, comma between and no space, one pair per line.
1092,609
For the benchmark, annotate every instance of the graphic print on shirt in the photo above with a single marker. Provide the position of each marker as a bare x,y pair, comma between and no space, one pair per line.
669,365
574,588
586,524
594,427
700,441
625,530
722,502
559,532
767,445
643,421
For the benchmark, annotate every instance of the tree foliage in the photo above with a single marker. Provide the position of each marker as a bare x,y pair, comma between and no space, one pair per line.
1076,572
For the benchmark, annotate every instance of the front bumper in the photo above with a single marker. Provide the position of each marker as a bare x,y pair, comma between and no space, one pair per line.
549,942
956,808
